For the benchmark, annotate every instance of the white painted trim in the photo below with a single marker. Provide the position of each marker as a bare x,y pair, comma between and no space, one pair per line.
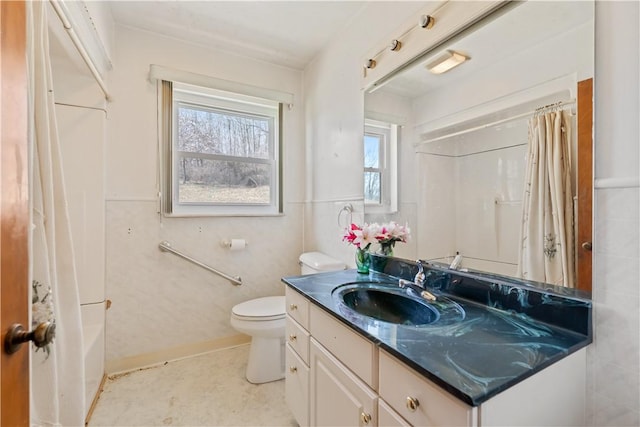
132,199
356,199
624,182
132,363
158,72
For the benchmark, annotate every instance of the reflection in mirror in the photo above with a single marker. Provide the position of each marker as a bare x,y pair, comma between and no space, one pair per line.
462,141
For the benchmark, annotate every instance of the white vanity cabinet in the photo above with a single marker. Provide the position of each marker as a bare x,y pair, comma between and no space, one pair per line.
337,377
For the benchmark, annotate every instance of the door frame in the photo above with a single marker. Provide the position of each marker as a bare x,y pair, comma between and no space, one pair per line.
584,217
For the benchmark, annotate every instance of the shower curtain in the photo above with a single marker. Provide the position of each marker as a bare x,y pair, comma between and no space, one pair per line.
546,236
57,371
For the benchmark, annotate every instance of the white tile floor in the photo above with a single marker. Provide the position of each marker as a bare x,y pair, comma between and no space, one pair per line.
207,390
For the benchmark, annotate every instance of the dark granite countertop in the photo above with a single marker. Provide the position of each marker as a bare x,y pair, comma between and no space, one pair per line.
510,330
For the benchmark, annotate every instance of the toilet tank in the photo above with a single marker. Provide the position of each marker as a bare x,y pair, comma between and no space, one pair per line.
317,262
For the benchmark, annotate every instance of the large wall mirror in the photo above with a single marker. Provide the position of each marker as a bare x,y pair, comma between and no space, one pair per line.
451,148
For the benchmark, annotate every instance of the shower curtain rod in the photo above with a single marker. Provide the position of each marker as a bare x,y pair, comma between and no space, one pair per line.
80,47
497,122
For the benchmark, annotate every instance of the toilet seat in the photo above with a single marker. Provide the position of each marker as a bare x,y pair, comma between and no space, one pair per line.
260,309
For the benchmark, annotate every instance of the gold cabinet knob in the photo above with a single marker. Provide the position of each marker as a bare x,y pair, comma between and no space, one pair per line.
412,403
293,369
587,246
293,307
292,337
365,418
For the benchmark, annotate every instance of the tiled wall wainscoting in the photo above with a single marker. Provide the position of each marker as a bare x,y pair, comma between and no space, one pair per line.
614,357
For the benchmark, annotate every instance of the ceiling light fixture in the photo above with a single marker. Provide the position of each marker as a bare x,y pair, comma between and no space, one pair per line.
446,62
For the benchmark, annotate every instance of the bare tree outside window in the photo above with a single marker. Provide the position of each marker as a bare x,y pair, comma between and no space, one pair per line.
223,156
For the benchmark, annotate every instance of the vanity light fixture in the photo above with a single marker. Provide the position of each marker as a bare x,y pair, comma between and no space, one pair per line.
446,62
395,45
370,63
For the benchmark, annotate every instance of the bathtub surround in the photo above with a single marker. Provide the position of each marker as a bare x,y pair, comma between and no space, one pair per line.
58,375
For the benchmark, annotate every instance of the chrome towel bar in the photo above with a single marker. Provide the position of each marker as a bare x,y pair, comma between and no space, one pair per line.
166,247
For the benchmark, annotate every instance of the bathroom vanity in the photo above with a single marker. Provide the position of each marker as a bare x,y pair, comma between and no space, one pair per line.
497,351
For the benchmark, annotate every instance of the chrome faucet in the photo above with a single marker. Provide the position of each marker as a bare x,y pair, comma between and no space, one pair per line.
420,278
418,284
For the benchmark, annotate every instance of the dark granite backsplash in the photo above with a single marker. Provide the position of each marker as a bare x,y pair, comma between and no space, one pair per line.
562,307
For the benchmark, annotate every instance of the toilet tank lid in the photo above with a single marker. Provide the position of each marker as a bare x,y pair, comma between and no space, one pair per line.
321,262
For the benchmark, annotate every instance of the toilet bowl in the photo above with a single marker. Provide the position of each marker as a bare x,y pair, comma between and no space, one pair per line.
264,319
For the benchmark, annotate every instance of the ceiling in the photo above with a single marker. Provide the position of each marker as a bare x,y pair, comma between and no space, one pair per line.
288,33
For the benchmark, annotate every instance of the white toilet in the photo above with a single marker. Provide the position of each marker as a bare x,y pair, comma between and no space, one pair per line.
264,320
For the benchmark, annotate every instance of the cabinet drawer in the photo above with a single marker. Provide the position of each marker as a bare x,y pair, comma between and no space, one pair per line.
432,406
298,338
297,386
354,351
297,307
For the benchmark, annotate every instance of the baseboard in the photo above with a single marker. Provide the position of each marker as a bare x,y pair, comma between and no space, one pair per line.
94,402
146,360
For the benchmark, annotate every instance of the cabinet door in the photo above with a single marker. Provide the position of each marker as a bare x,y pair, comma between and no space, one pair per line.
387,417
338,397
297,386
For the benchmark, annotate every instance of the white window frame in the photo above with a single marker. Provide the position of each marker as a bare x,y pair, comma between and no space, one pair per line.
388,167
174,94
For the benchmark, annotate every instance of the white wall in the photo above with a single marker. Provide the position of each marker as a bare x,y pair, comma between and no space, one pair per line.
334,106
160,302
333,117
614,358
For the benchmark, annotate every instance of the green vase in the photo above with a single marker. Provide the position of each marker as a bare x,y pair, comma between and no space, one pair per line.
363,260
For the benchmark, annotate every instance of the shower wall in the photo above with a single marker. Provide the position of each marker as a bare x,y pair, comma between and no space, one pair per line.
472,189
81,122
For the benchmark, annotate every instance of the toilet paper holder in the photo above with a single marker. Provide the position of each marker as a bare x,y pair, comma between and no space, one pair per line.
234,244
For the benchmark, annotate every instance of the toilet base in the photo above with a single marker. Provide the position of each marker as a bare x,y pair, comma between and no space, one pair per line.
266,360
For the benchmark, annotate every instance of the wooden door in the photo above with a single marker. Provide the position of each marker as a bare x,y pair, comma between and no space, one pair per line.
14,210
584,233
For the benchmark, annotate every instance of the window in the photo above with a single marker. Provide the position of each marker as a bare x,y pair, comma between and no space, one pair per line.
380,166
222,152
